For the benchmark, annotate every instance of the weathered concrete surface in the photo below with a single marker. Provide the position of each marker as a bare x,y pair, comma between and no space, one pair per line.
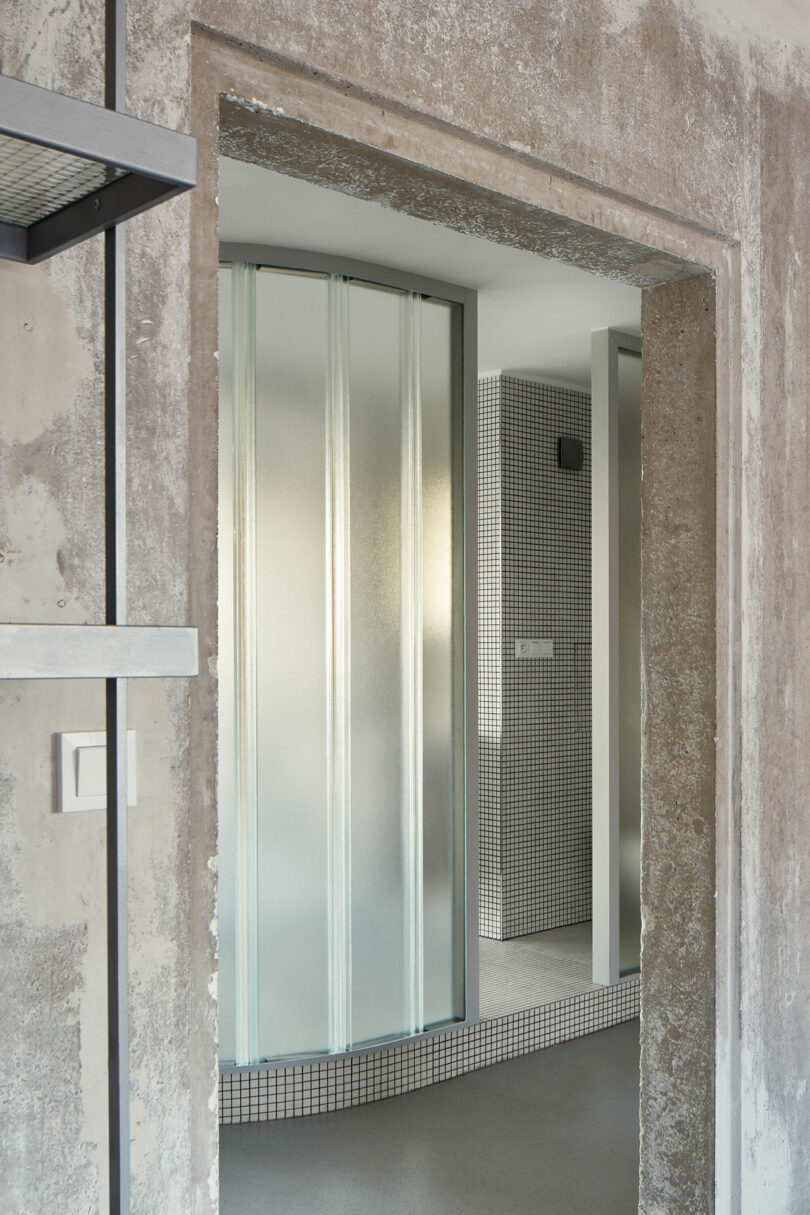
678,724
292,147
574,85
585,103
51,993
775,1022
52,963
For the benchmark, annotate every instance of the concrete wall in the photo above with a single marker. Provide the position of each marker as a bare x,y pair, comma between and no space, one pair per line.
678,608
577,107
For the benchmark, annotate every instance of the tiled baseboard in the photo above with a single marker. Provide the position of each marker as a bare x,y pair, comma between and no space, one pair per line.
262,1095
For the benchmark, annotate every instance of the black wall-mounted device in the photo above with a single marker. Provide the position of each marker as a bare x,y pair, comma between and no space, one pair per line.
569,453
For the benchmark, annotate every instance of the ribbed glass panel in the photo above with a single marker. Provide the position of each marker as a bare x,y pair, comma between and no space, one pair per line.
342,723
243,379
442,725
339,674
293,688
379,863
412,666
226,774
628,400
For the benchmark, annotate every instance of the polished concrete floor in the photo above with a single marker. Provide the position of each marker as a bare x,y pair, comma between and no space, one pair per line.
540,968
554,1133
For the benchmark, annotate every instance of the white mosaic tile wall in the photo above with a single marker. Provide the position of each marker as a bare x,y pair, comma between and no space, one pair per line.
490,667
535,765
264,1094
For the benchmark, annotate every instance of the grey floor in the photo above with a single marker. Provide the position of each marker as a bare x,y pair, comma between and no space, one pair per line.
553,1133
532,970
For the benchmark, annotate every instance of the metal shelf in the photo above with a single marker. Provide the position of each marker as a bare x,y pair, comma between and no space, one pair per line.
70,169
89,651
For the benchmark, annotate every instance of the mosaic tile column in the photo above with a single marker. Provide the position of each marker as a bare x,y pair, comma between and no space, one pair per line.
535,748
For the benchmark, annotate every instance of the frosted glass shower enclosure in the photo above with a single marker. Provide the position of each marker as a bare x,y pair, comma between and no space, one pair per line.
346,785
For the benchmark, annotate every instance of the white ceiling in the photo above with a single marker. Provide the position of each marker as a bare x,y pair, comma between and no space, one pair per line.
535,316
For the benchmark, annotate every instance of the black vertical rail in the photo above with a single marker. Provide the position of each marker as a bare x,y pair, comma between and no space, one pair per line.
115,614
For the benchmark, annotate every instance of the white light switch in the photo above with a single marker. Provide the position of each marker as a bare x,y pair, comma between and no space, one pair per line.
532,647
91,771
82,771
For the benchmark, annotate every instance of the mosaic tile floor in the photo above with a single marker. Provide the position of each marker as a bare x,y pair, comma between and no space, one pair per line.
533,970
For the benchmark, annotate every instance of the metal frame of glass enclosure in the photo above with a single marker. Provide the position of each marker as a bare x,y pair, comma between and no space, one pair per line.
611,875
465,668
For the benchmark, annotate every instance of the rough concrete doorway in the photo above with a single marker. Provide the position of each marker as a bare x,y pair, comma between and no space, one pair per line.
310,129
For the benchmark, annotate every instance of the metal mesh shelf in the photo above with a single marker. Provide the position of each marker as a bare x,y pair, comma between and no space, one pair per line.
35,180
69,169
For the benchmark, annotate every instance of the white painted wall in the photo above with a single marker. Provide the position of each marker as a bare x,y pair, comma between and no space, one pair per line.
535,316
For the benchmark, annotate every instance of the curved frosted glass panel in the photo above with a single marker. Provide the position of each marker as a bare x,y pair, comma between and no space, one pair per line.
291,662
628,400
378,755
342,896
226,791
442,660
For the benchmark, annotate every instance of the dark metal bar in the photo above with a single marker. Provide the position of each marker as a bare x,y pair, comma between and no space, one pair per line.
115,426
117,947
115,553
13,242
117,866
115,55
55,120
114,203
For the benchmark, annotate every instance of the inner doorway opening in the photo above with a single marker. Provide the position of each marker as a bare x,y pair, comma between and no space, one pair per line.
520,203
529,895
529,872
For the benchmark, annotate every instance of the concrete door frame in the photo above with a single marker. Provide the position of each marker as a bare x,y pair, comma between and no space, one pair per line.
293,118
